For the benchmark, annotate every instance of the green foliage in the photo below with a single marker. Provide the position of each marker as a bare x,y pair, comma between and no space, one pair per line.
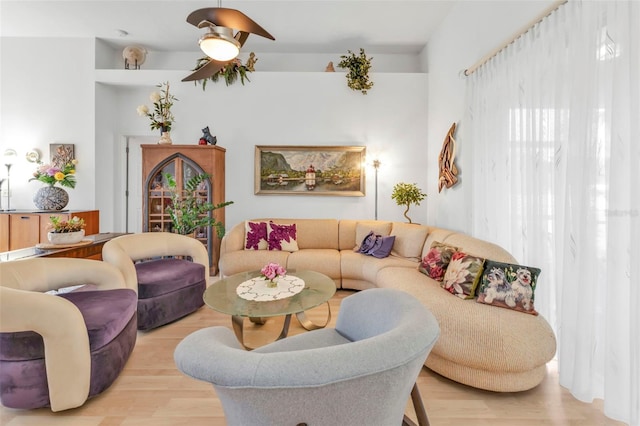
229,73
358,74
406,194
188,210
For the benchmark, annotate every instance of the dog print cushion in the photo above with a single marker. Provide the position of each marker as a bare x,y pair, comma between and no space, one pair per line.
463,274
435,262
508,286
255,235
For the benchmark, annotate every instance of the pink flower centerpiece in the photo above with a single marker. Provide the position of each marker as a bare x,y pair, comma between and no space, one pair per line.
271,271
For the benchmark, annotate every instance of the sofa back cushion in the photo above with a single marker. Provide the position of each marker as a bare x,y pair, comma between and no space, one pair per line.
352,232
477,247
313,233
409,241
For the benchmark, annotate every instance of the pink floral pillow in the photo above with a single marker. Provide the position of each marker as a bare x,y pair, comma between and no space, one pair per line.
463,274
255,236
435,262
282,237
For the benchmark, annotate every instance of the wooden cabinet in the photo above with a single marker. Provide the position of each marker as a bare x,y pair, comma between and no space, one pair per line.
22,229
182,162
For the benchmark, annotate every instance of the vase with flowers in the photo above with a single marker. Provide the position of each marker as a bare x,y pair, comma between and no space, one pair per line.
65,231
52,197
271,272
161,117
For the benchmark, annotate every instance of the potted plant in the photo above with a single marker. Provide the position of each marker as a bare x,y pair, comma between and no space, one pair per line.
51,197
188,210
406,194
358,70
161,118
66,231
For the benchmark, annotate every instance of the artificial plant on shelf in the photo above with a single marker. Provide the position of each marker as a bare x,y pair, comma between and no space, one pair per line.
406,194
161,118
188,211
358,70
230,72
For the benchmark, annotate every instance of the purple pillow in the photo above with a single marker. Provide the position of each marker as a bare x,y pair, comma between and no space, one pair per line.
377,245
255,237
282,237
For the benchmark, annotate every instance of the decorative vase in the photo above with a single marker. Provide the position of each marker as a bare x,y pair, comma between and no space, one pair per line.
165,139
65,237
51,198
272,283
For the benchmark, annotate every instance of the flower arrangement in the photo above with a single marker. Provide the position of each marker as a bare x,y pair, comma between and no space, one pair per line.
60,226
230,72
51,174
272,270
162,117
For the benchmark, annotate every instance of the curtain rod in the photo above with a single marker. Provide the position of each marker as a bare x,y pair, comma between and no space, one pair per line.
548,11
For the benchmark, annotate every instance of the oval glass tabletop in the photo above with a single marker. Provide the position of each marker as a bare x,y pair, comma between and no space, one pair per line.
222,296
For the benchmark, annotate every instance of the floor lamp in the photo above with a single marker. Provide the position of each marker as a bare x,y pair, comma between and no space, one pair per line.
9,158
376,165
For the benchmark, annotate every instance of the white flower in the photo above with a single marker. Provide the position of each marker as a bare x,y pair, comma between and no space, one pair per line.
154,97
142,110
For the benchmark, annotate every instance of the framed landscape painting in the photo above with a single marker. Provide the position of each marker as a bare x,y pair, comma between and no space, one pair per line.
310,170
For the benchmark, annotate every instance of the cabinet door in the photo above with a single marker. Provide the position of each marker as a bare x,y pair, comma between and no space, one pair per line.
4,232
24,230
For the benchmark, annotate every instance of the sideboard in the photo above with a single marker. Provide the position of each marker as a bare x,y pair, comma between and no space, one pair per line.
26,228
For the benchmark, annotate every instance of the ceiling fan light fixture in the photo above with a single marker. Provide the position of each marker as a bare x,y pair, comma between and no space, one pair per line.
219,44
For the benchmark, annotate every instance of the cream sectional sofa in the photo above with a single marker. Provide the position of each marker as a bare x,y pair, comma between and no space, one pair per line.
483,346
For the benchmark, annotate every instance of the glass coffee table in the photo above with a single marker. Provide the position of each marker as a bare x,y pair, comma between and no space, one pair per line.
316,289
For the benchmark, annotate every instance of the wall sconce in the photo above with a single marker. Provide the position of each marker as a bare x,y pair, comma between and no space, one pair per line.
9,158
376,166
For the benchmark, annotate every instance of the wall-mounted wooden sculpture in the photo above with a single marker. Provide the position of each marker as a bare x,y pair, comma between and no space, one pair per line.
448,170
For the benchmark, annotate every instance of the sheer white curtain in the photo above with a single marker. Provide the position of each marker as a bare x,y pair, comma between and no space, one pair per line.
554,121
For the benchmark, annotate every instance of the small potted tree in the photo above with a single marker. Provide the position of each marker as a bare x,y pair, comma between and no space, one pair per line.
406,194
188,210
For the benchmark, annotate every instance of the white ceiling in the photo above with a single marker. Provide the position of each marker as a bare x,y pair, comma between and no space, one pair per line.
299,26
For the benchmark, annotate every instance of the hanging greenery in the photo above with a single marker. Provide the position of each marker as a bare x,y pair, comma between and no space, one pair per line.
230,72
358,70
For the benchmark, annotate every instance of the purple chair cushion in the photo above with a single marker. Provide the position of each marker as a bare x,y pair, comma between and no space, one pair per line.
158,277
106,313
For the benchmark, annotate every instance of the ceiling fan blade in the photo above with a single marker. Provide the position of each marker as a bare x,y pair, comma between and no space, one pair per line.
231,18
206,71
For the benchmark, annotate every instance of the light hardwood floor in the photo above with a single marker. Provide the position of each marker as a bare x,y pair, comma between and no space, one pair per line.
152,392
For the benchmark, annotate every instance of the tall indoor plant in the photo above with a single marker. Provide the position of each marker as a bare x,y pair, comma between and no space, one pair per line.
188,210
406,194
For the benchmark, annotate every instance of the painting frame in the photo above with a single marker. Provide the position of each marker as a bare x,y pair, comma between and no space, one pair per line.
290,170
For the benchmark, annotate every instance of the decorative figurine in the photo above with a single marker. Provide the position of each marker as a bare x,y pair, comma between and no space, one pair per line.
330,67
134,55
207,138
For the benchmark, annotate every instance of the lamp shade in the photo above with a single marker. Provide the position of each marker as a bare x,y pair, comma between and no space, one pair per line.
219,44
9,157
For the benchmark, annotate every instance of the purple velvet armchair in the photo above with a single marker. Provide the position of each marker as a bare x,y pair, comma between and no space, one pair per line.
57,349
169,285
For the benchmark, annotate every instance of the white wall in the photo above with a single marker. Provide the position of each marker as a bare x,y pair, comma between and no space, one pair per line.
471,30
292,108
54,97
47,97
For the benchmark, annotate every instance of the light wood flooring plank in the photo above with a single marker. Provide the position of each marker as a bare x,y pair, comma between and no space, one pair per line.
152,392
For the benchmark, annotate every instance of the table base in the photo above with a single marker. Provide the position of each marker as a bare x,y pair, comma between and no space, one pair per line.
238,325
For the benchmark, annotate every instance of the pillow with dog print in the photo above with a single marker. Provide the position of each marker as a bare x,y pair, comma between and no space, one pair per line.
463,274
508,286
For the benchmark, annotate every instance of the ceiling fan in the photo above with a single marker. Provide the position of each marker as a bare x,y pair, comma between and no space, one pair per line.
219,43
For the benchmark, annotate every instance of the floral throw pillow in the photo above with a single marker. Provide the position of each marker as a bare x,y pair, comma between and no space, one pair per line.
508,286
435,262
462,276
255,235
282,237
